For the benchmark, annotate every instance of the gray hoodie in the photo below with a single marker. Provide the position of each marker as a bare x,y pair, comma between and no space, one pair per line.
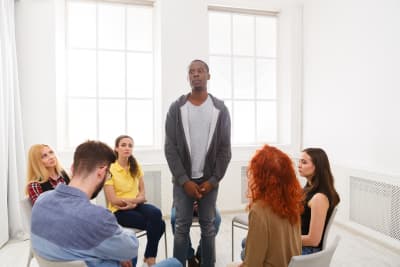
177,150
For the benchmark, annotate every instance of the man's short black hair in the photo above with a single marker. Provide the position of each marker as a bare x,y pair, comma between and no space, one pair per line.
201,61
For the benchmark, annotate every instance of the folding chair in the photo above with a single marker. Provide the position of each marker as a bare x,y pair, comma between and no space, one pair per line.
242,222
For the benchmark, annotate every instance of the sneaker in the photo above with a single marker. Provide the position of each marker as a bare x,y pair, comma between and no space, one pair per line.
192,262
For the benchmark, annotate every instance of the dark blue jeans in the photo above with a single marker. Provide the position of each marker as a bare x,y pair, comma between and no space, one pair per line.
191,250
145,217
309,250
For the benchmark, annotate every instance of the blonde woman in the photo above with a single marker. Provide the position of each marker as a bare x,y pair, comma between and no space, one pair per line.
44,171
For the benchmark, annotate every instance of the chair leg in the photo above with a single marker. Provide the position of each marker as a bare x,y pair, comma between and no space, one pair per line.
165,243
30,257
233,240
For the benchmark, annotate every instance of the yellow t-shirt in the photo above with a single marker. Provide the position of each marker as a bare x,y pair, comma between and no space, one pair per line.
125,186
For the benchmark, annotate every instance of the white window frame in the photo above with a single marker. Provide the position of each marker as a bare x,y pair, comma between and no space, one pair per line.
62,80
252,12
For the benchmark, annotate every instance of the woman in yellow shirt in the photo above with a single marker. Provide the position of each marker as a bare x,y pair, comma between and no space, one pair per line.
126,198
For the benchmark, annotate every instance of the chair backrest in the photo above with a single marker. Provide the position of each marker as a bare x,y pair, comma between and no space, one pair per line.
101,199
242,219
328,227
318,259
26,208
46,263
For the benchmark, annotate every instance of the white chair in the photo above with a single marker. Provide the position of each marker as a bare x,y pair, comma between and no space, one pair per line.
319,259
240,221
328,227
47,263
26,208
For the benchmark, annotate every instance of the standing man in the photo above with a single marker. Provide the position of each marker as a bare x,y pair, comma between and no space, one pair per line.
198,151
66,226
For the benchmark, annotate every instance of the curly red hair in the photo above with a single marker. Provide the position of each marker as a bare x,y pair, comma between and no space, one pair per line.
272,180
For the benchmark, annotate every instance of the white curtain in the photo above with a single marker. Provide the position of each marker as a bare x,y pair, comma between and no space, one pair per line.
12,155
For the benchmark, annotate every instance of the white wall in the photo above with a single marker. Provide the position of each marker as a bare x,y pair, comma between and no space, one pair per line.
351,82
182,35
351,91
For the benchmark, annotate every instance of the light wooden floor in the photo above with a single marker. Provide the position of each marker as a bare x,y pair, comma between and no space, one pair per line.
353,250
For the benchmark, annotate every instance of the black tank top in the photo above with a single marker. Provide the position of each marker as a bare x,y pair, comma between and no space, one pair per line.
306,216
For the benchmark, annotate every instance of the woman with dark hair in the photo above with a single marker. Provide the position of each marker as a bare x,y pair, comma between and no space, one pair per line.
126,198
320,198
275,206
44,171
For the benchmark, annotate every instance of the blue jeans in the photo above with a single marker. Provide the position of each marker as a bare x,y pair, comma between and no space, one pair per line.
170,262
191,251
145,217
242,253
309,250
184,215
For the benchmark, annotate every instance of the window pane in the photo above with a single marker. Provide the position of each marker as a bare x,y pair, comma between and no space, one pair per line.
82,73
140,29
111,120
140,75
140,123
243,78
244,120
220,33
111,21
112,64
266,79
111,74
82,24
266,36
243,35
82,125
266,122
220,81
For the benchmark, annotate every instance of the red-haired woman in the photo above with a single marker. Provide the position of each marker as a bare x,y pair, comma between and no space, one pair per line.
276,196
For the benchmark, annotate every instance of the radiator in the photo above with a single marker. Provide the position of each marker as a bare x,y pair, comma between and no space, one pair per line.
152,181
375,205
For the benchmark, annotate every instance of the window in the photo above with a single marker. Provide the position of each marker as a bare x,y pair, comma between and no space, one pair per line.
243,63
109,72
